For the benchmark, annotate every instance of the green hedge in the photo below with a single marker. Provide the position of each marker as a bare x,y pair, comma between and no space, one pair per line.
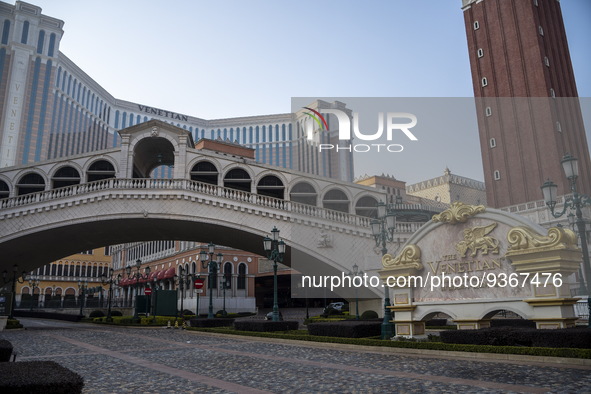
144,321
218,322
579,338
531,351
346,329
13,323
265,325
38,377
5,350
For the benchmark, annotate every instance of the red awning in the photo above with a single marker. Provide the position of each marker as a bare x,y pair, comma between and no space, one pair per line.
153,275
161,274
169,273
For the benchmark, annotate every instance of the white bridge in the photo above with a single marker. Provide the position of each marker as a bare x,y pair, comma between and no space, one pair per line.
52,209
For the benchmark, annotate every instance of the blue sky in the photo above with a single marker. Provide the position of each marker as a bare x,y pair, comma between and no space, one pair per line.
217,59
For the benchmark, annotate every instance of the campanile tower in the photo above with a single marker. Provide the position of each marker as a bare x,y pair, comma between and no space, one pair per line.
528,114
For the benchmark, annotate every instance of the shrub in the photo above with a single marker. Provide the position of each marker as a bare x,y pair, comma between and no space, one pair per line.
346,329
5,350
367,315
509,336
13,323
220,322
116,313
436,322
97,313
512,323
265,325
43,377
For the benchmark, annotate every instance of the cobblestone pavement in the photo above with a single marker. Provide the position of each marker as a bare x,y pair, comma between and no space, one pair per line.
159,360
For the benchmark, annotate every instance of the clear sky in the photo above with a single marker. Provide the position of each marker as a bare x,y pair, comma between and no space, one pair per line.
218,59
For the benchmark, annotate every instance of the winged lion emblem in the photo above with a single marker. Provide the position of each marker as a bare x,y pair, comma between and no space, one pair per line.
477,239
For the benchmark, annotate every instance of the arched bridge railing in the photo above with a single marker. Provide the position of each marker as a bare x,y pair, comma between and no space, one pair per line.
195,187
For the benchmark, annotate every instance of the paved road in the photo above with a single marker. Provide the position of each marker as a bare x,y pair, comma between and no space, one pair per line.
159,360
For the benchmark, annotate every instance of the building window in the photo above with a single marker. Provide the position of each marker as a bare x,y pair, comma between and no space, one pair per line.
541,30
493,143
476,25
488,111
552,93
536,3
241,276
558,127
480,52
484,81
497,175
546,61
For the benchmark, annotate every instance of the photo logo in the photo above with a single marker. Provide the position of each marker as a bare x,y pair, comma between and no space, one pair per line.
394,122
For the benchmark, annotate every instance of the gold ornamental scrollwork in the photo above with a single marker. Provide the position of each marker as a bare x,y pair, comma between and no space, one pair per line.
410,257
458,212
523,238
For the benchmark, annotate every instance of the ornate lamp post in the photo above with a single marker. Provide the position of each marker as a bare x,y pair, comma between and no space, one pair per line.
137,275
574,203
20,279
82,286
109,279
183,279
212,266
275,249
225,285
356,272
33,284
382,229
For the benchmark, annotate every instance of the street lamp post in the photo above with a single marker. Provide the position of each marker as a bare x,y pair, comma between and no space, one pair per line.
197,308
576,202
20,279
33,284
82,286
353,273
212,266
225,285
109,280
382,229
183,278
275,249
137,275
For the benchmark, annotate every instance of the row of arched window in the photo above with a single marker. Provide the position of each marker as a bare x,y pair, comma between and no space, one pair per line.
224,278
33,182
206,172
92,270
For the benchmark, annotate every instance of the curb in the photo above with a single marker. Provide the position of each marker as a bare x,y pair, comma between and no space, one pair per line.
517,358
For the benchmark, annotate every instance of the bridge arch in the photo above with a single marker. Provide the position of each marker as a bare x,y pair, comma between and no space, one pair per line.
337,199
270,184
304,191
66,174
149,153
238,178
5,189
103,167
204,169
31,181
366,205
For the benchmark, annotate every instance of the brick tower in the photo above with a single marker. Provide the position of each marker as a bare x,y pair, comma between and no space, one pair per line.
528,114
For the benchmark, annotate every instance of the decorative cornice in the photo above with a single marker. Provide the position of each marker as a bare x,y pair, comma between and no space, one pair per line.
458,212
410,257
523,238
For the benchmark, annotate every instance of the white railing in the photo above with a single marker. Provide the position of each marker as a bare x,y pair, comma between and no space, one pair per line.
108,185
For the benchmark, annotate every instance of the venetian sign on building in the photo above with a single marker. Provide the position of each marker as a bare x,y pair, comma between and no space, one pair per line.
471,262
